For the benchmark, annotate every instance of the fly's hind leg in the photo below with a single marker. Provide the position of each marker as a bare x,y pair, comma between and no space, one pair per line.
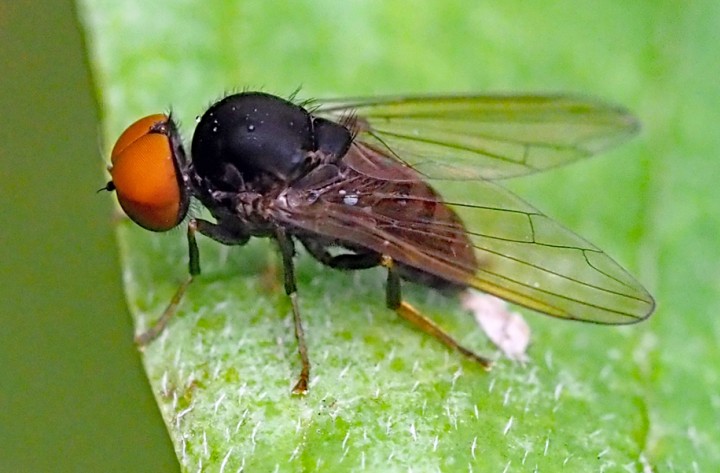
411,314
345,261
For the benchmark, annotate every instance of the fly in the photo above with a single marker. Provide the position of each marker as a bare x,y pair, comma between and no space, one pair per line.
359,176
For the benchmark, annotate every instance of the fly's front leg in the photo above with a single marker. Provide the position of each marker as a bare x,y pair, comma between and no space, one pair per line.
208,229
287,251
411,314
157,328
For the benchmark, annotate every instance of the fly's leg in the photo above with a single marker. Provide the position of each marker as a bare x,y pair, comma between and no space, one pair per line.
411,314
349,261
287,252
208,229
157,328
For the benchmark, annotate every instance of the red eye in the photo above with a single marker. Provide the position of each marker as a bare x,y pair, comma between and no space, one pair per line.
145,174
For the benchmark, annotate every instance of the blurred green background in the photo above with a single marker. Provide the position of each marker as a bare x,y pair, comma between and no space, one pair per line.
72,390
73,393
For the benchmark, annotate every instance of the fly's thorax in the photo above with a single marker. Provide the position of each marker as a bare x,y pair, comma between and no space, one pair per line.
253,137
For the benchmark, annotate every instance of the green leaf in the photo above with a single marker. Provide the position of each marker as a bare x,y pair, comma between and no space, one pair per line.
383,396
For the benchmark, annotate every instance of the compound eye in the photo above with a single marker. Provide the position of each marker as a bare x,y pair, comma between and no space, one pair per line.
145,174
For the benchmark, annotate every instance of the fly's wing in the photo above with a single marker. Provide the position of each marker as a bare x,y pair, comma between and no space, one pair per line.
521,255
483,137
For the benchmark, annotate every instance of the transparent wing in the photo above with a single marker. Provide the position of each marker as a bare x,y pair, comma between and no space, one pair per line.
522,255
528,258
488,137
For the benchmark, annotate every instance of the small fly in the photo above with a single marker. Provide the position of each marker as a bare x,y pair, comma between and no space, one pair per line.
353,182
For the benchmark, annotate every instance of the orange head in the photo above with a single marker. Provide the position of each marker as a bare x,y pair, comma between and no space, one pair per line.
147,173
